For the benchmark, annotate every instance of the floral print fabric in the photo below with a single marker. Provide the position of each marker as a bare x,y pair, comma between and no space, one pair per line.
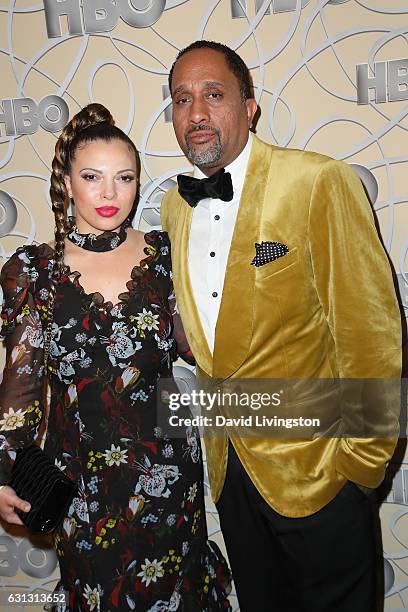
135,536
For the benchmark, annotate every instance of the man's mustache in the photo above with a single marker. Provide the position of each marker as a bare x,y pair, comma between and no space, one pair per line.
202,128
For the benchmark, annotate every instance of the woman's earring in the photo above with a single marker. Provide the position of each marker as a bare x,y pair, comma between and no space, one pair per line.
71,208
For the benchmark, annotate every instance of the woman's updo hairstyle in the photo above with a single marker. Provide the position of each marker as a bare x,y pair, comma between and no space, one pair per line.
93,122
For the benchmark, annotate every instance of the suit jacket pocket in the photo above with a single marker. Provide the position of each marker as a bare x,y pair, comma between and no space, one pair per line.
278,265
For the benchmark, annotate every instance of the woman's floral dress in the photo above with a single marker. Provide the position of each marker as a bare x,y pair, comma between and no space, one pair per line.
135,536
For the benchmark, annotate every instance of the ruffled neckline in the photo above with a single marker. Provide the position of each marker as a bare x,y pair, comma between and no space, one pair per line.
96,298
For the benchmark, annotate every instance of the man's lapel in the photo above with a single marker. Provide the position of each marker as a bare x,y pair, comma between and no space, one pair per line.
234,328
182,285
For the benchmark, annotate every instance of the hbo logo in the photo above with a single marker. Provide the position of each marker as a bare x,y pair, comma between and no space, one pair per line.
23,116
93,16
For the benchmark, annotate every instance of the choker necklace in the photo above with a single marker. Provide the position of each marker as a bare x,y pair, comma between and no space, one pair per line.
107,241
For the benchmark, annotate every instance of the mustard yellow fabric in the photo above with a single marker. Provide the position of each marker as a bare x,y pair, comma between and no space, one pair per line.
327,309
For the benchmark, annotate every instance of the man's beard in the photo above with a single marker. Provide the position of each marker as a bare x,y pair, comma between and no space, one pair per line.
208,156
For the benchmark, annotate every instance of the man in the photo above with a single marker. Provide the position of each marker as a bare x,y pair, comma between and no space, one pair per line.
279,273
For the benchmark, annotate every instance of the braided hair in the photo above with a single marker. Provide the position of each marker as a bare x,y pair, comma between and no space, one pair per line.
93,122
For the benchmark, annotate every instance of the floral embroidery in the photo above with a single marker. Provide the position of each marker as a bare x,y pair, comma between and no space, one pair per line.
192,492
128,378
156,478
120,345
151,571
115,456
92,597
12,420
136,503
147,320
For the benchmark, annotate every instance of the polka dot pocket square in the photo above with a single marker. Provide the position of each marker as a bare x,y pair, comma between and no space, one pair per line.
267,252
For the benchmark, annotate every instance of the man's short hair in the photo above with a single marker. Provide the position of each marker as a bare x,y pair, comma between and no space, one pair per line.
234,62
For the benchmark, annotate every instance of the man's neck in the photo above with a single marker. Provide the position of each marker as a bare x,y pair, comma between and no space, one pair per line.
209,171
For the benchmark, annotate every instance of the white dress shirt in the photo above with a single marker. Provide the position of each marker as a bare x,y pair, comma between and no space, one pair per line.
212,227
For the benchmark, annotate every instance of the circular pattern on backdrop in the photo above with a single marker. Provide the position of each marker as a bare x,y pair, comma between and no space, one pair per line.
389,576
8,214
369,181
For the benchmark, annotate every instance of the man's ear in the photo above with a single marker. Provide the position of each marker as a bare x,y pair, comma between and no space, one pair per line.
251,107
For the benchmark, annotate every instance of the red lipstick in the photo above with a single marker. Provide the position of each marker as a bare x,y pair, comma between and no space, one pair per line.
107,211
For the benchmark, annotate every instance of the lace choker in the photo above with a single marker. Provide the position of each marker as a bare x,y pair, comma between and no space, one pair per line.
107,241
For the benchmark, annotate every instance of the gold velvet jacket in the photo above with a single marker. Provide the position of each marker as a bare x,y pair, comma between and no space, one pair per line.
327,309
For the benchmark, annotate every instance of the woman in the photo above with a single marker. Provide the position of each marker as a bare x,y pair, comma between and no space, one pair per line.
135,535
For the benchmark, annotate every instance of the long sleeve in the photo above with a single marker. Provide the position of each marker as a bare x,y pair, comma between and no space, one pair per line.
21,390
355,287
183,348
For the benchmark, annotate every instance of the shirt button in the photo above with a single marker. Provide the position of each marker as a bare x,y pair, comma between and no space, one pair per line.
214,294
212,254
217,217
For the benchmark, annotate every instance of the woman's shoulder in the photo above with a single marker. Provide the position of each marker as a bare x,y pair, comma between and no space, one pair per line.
27,263
159,239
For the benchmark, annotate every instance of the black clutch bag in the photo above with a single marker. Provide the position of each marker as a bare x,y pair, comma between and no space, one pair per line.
37,480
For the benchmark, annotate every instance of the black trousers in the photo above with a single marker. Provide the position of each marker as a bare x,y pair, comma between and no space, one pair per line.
326,562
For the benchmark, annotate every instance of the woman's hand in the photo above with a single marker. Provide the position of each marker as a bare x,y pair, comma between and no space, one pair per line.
9,502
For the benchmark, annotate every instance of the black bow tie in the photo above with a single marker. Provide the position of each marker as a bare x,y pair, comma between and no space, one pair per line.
219,185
